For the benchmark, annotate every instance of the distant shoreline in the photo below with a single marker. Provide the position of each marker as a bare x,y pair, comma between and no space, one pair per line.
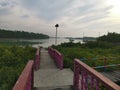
21,35
22,38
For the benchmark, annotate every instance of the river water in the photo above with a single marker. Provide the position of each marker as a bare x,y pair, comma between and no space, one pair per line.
51,41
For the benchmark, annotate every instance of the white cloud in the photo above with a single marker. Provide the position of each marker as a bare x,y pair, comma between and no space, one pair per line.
74,16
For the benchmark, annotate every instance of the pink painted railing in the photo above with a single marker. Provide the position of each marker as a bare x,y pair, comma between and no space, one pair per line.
57,56
25,81
37,59
86,78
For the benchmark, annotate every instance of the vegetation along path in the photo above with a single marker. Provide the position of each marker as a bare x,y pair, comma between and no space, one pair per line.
49,77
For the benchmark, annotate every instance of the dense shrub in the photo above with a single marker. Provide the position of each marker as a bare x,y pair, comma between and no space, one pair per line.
110,37
100,44
69,44
93,52
12,61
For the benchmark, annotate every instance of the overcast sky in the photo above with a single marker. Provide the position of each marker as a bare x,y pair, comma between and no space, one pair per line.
75,17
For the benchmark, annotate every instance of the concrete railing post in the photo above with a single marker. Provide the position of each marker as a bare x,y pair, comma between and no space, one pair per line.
76,76
37,60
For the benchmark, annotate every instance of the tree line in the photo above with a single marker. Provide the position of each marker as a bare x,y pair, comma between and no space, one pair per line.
21,34
110,37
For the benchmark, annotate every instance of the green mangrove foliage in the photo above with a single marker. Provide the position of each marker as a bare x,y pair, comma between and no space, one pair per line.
12,61
92,53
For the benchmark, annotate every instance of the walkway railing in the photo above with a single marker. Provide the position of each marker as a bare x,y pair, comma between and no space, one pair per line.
37,59
86,78
25,81
57,56
105,62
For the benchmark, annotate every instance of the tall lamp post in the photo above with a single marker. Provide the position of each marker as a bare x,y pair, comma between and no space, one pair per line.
56,33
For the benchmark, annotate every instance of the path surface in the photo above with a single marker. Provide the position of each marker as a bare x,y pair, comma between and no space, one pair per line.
49,77
46,61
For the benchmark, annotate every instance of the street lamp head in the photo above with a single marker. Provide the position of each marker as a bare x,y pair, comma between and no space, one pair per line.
56,25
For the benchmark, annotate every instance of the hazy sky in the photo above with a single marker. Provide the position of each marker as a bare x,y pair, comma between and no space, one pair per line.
75,17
